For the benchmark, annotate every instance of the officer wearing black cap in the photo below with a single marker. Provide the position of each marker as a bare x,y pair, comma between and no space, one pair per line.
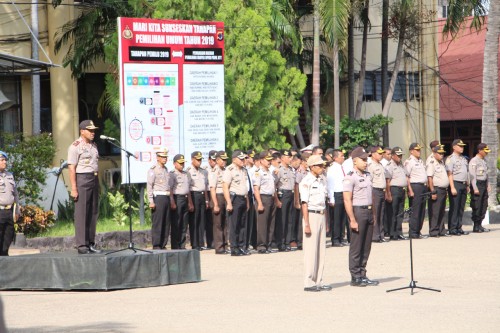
286,184
377,171
82,164
236,194
438,185
158,185
199,195
181,204
478,171
396,178
215,182
9,206
209,223
458,174
358,205
251,236
417,179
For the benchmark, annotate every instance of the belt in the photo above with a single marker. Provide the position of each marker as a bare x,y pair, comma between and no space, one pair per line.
237,195
364,207
6,207
441,188
316,211
481,181
401,187
285,191
460,182
266,195
87,173
379,189
198,192
155,193
418,184
180,195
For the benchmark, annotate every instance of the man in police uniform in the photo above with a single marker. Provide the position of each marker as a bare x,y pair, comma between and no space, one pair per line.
358,205
264,185
82,165
9,206
313,200
286,183
235,188
396,193
438,185
478,171
417,179
251,233
158,188
199,196
221,239
209,223
377,171
458,174
181,203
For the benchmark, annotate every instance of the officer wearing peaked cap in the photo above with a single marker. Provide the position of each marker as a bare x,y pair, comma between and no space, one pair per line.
417,179
438,185
396,178
286,184
458,174
479,188
220,222
9,205
198,187
377,172
181,203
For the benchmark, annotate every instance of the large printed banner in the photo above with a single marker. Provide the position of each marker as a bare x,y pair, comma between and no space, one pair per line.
171,90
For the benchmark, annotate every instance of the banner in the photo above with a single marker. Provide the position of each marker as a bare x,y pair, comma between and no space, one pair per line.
171,90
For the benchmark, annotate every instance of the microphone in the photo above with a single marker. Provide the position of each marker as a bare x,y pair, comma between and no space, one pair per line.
104,137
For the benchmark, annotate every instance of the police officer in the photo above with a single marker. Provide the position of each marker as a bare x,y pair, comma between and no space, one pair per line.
209,225
158,188
264,185
82,164
313,200
286,183
396,193
358,205
9,206
199,195
181,204
478,171
458,174
377,171
300,173
219,204
417,179
251,233
438,185
235,187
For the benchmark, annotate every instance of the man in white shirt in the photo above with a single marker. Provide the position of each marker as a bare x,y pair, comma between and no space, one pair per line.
338,218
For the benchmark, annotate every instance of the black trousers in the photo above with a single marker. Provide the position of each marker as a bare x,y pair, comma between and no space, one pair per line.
436,213
238,219
86,208
251,237
417,205
6,231
457,206
209,227
397,210
160,216
378,204
361,242
265,222
197,220
284,220
479,203
180,222
339,218
220,226
297,226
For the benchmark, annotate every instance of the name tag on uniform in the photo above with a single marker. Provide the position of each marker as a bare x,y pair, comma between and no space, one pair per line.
361,180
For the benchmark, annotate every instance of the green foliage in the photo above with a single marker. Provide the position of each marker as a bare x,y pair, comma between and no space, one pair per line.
66,210
34,220
28,158
119,207
362,132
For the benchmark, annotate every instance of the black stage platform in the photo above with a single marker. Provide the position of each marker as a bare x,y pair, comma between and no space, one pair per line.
121,270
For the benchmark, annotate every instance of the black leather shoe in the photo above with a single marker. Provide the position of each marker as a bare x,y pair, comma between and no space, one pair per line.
460,231
445,235
414,236
83,250
369,282
299,247
221,252
236,253
358,282
337,244
455,233
156,248
401,237
245,252
484,229
92,249
325,288
423,236
313,289
262,252
477,230
394,238
345,243
383,240
434,236
282,249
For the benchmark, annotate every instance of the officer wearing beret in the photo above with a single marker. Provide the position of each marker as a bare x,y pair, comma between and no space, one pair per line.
82,164
9,206
358,205
458,174
181,204
396,178
377,170
159,183
215,182
479,188
438,185
313,200
417,179
198,187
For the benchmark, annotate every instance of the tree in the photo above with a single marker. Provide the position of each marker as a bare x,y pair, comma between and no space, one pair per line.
362,70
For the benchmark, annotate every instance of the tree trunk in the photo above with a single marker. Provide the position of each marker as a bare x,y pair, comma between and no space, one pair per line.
316,78
490,97
394,77
362,69
350,66
336,93
385,61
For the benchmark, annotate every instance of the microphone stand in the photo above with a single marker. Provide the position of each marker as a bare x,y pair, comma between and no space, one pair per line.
57,173
128,194
413,283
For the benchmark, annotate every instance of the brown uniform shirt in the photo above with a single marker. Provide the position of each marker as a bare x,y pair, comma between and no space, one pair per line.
478,170
199,179
215,179
84,156
457,165
360,184
158,180
397,174
286,178
180,181
415,169
377,171
8,190
236,179
437,171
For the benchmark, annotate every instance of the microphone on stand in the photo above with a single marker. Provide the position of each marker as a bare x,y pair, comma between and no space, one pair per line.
104,137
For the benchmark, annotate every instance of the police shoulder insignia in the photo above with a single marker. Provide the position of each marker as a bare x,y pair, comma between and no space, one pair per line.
448,160
154,166
76,143
349,173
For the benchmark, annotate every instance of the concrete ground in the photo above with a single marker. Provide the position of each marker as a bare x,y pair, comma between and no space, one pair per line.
265,293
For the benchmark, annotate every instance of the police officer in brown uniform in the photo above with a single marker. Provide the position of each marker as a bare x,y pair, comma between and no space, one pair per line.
417,189
264,185
235,187
458,174
9,206
377,171
286,183
478,171
220,221
438,185
209,223
200,198
158,187
181,204
358,205
82,164
396,194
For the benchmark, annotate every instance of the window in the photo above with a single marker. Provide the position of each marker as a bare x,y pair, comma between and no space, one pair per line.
10,105
372,90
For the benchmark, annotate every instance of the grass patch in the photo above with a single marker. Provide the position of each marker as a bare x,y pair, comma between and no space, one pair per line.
65,228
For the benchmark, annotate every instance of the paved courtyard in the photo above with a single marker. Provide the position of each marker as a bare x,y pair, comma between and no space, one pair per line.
265,293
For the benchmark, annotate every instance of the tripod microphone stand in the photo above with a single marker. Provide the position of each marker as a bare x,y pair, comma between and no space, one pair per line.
128,195
413,283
